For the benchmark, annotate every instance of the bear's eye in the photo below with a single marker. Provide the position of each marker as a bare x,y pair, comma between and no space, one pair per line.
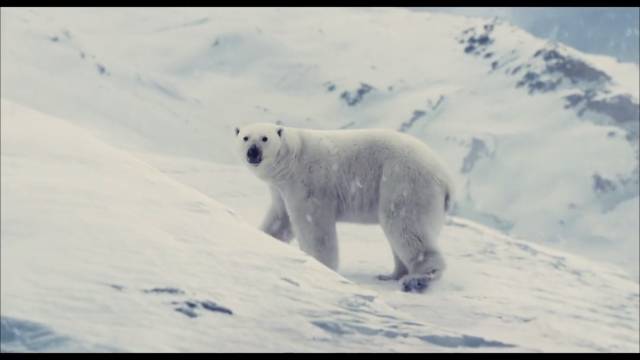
245,138
264,139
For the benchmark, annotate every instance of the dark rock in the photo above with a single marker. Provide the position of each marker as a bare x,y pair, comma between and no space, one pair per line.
462,341
552,55
534,82
573,100
620,108
602,185
330,86
167,290
353,99
102,70
417,114
211,306
477,150
574,69
483,40
186,311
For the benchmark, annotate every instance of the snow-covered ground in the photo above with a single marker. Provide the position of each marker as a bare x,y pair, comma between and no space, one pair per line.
100,251
128,224
103,252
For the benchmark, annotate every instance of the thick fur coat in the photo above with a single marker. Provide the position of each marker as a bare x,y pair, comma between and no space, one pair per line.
320,177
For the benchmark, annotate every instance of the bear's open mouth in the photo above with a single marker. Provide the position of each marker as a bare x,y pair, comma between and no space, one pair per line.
255,161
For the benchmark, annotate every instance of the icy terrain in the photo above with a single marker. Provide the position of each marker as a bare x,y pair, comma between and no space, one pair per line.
128,224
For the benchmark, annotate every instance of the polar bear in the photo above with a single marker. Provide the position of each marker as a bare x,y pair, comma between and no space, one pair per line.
370,176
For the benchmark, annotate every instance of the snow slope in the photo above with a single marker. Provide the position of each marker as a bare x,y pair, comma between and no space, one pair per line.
523,293
543,138
102,252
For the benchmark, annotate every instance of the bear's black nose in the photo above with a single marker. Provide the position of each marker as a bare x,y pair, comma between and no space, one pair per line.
254,155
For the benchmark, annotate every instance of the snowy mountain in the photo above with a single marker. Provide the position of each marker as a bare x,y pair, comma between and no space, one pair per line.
544,138
117,159
103,252
613,31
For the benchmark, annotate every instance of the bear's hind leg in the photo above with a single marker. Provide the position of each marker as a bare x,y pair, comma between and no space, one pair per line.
400,270
423,269
412,229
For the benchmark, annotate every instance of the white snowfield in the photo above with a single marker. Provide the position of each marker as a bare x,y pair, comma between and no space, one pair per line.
127,224
103,252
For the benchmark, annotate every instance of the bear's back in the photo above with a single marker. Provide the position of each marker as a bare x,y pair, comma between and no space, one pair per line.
358,152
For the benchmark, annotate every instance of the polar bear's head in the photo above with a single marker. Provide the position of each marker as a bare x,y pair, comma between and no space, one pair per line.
258,145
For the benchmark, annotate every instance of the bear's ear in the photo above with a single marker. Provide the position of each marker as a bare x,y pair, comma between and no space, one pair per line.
279,131
237,131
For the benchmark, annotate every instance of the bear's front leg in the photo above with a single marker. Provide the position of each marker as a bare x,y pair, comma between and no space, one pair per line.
276,223
314,224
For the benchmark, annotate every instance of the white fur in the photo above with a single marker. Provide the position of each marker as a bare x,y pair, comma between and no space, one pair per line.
320,177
